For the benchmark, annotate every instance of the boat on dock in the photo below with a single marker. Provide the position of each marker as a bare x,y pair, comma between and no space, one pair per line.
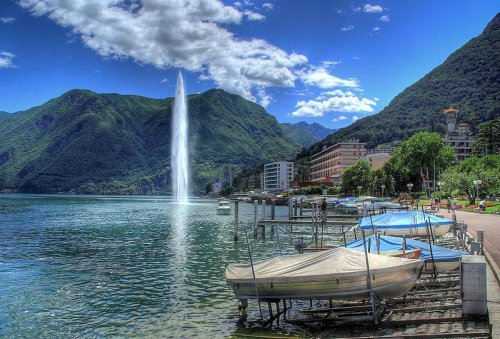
340,273
406,223
223,207
445,259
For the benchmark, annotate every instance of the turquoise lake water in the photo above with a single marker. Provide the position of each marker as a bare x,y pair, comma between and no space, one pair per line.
100,266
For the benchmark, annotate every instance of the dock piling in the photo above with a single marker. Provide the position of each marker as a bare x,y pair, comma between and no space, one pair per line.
236,219
255,205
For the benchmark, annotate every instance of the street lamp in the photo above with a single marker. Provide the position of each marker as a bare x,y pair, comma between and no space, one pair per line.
440,185
476,183
359,190
382,187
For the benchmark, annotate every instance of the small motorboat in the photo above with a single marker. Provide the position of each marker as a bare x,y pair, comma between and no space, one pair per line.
407,223
445,259
339,273
223,207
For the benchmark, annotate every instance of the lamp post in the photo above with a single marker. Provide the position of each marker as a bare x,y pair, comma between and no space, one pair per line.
410,186
382,187
440,185
476,183
359,190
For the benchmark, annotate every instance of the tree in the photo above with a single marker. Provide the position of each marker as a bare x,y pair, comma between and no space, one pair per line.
424,153
487,140
460,178
381,177
358,175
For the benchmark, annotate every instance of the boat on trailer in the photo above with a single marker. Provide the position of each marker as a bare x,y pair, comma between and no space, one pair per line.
445,259
407,223
340,273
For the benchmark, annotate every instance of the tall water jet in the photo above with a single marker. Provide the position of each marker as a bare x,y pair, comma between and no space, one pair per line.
179,151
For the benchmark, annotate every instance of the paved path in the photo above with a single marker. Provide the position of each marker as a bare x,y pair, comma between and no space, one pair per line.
489,223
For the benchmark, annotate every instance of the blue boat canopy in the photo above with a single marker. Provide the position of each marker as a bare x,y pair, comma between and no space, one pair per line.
401,220
389,243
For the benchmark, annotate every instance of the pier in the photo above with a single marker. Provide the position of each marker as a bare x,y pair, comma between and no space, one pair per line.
434,308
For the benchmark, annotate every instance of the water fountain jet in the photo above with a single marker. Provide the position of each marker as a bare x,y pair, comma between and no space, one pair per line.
179,148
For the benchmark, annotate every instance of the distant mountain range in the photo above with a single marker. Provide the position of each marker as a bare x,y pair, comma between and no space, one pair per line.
468,80
85,142
306,134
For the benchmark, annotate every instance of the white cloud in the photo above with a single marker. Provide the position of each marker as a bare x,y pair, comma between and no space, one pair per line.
384,18
268,6
253,16
5,20
376,28
340,118
163,80
333,101
320,77
372,8
6,60
179,33
265,99
348,28
355,117
376,99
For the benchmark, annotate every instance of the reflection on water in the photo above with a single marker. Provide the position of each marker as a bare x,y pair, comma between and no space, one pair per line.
93,266
73,266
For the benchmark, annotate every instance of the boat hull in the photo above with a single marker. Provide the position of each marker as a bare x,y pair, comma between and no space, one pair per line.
223,210
340,273
438,230
385,285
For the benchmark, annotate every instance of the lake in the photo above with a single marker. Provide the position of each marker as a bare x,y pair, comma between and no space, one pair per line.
101,266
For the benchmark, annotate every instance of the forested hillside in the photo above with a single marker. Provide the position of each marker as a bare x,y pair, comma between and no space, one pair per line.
306,134
85,142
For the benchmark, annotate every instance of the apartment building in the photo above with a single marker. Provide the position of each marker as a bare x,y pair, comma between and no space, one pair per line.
277,176
327,166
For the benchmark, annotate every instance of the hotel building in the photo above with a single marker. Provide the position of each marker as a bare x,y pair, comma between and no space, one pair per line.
327,166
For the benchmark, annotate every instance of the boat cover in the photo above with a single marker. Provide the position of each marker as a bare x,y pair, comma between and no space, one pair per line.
389,243
404,219
316,266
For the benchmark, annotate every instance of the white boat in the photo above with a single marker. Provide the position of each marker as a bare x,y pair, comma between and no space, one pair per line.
445,259
223,207
339,273
407,223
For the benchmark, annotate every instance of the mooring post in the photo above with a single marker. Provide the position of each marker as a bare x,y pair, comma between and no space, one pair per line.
255,205
263,217
480,240
301,206
236,219
290,202
295,206
273,209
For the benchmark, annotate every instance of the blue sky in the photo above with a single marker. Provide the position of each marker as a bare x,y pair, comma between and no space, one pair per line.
330,62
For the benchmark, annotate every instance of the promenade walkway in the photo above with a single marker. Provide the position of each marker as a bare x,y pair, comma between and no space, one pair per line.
489,223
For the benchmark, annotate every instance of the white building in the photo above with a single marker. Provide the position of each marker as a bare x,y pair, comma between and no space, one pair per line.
278,176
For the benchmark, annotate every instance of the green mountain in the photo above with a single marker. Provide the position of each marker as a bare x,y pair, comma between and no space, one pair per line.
468,80
4,115
86,142
306,134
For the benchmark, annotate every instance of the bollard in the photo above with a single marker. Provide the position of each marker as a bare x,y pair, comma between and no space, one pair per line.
236,219
273,209
480,240
264,204
301,206
464,234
